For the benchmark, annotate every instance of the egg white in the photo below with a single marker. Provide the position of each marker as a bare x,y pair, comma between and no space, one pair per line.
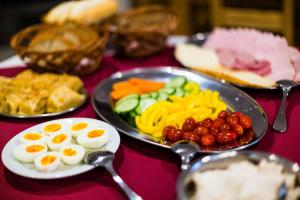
23,138
21,153
49,167
95,142
56,146
73,159
75,133
45,131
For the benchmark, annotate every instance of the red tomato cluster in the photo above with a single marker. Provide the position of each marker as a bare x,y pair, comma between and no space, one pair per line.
223,130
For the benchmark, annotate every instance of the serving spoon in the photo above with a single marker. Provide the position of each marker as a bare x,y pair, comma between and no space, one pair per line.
280,120
105,159
187,151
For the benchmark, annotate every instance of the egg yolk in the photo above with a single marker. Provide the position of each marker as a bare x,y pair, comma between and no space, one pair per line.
32,136
70,152
79,126
48,160
59,138
52,127
34,148
95,133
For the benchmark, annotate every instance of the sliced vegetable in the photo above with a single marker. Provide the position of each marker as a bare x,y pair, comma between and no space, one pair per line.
179,81
168,90
127,97
127,105
179,92
154,95
162,96
134,85
144,103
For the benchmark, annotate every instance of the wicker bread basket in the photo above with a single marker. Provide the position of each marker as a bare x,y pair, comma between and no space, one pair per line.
143,31
69,48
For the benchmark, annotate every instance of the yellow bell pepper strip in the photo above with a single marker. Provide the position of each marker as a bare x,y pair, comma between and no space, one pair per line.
199,104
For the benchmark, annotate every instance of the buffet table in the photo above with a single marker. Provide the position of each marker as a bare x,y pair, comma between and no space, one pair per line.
149,170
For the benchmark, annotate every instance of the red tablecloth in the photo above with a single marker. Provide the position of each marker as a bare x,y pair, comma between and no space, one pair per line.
149,170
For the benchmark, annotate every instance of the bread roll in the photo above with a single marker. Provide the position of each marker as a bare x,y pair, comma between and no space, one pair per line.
84,12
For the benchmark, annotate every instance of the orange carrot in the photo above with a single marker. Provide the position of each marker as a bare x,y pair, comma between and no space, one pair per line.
134,85
146,85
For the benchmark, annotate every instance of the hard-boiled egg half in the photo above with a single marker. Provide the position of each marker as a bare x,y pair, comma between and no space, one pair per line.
29,137
58,140
78,128
72,154
94,138
27,152
47,162
52,128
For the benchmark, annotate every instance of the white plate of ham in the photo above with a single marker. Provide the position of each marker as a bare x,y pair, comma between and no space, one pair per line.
245,57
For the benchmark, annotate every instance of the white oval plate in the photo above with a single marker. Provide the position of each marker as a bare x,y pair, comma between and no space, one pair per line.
29,170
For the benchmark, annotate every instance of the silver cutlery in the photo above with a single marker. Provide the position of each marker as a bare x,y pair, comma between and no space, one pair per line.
105,159
286,86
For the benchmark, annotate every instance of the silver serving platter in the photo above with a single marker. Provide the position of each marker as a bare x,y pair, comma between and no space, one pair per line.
184,186
235,99
82,91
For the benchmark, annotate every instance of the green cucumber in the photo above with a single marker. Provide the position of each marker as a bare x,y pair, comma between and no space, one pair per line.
126,105
145,96
154,95
130,96
162,96
178,81
179,92
168,90
144,104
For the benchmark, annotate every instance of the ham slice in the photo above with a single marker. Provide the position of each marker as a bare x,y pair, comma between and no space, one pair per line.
273,58
243,61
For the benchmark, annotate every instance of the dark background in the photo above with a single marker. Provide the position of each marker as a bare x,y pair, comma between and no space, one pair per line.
17,14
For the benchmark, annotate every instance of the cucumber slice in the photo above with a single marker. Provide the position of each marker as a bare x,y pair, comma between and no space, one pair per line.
126,105
179,92
144,104
179,81
154,95
145,96
162,96
130,96
168,90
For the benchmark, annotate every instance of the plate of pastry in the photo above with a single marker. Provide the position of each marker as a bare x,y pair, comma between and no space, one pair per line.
255,59
33,95
56,149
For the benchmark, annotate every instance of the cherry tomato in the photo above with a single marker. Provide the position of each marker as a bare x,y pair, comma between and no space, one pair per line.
200,130
207,122
218,122
239,114
238,129
225,127
226,137
199,123
223,114
174,135
189,125
245,121
232,120
190,136
214,130
207,140
167,129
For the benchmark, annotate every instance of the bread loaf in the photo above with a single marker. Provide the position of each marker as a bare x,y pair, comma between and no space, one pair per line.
85,11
